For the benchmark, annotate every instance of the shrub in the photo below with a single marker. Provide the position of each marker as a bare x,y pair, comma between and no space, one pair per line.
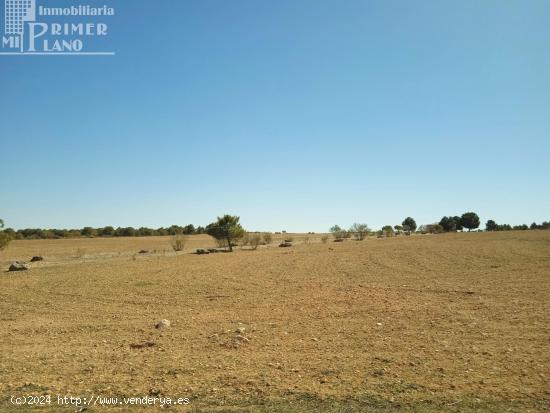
306,240
5,237
178,243
254,240
359,231
324,239
338,233
267,238
434,229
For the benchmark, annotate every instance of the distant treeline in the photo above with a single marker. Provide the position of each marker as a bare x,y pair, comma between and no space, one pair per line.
36,233
493,226
452,223
469,220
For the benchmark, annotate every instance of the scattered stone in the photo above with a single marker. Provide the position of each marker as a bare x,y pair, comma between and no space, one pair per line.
339,240
240,330
143,251
240,337
37,258
212,250
379,324
161,324
285,244
19,266
201,251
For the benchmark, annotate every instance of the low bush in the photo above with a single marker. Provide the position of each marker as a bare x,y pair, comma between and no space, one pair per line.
5,237
268,238
255,240
178,243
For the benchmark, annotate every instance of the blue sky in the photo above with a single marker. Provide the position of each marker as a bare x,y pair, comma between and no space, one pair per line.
294,114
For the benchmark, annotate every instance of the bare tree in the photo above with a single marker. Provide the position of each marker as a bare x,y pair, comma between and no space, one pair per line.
359,231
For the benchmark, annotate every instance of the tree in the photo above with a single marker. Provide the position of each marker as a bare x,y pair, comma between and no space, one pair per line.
226,228
189,229
87,232
145,232
107,231
409,223
447,224
125,232
458,224
450,224
469,220
521,227
359,231
162,231
175,230
491,226
388,230
5,237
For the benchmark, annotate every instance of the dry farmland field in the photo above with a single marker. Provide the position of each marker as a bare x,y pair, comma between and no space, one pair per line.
434,323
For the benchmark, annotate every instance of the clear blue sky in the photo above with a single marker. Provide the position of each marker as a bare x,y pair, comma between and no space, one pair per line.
293,114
